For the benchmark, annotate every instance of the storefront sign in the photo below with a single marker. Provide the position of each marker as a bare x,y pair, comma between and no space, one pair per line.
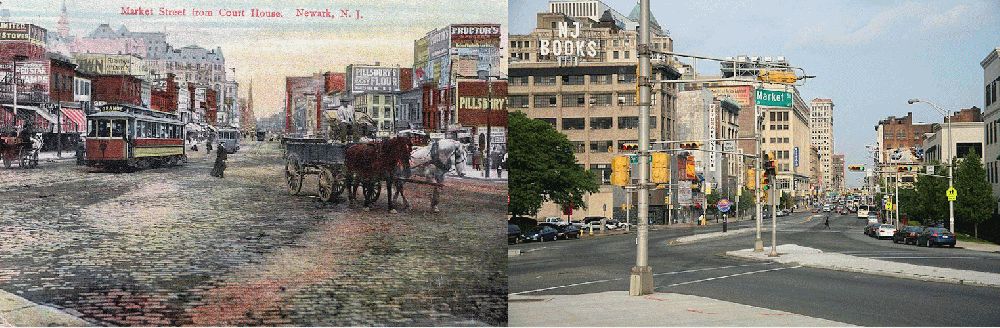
475,35
32,82
22,32
101,64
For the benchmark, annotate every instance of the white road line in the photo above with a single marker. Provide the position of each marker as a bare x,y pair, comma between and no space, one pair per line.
727,276
617,279
922,257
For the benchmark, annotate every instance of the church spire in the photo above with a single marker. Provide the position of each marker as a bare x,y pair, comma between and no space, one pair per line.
63,21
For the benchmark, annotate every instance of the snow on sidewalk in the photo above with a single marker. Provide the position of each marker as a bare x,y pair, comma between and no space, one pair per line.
811,257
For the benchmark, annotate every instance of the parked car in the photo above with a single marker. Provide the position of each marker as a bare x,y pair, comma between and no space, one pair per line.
884,231
872,218
781,212
907,235
568,231
540,233
513,233
554,219
936,236
595,222
826,208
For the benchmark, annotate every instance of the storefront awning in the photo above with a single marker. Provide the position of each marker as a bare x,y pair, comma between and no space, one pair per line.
74,121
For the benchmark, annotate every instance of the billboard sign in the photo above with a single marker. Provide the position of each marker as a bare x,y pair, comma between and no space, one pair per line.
32,81
438,42
22,32
739,94
101,64
369,78
475,35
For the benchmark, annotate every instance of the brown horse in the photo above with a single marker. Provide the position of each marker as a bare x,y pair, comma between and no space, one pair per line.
370,163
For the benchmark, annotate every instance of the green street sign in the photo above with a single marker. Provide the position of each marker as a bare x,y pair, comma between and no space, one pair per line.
771,98
634,159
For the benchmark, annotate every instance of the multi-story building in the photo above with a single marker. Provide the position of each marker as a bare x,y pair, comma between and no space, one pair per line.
900,142
381,107
589,94
701,116
961,134
991,115
821,125
837,173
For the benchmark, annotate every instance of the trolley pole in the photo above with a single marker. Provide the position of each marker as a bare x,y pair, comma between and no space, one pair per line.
641,276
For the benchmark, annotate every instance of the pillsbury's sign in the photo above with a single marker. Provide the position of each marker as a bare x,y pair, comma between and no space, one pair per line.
567,44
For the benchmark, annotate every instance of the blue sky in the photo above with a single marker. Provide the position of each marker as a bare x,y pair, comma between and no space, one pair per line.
868,56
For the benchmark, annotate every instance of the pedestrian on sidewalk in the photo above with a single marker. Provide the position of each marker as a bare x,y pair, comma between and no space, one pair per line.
208,146
219,170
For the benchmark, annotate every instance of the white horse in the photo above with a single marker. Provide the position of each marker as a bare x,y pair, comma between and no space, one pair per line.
432,162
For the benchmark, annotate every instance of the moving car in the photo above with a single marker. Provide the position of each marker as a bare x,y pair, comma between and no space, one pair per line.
907,235
540,234
863,211
826,208
936,236
872,218
513,233
781,213
884,231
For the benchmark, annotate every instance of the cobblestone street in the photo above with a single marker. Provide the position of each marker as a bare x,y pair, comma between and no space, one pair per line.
174,246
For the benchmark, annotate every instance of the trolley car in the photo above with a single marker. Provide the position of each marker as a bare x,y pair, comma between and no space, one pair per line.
126,136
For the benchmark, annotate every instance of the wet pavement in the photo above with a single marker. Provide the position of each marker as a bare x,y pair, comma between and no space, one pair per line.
174,246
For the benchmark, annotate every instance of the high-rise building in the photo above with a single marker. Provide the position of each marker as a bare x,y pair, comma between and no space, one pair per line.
579,75
837,173
821,125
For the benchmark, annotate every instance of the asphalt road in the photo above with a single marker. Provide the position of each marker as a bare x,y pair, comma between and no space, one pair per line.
174,246
602,264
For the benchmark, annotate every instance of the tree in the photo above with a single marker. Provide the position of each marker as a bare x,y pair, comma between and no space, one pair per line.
975,195
786,200
543,168
746,200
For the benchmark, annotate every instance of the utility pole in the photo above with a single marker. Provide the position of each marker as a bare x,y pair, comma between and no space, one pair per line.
774,218
895,206
489,107
758,244
641,276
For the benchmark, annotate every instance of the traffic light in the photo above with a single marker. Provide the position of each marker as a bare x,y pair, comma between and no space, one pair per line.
689,170
784,77
765,181
903,169
763,197
629,147
769,166
690,145
856,168
660,168
620,171
751,179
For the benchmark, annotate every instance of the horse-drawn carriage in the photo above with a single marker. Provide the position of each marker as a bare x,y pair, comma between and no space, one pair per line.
16,149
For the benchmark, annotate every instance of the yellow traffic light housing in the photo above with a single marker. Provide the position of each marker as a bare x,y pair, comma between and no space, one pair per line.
765,182
751,179
660,168
620,171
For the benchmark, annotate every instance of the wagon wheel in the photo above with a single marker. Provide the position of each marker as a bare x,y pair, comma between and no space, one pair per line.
293,176
372,190
6,160
24,159
326,184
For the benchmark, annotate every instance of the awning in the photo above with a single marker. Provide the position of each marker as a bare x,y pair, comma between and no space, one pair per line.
44,114
74,121
43,120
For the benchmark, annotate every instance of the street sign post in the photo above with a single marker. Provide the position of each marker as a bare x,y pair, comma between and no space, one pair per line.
772,98
952,194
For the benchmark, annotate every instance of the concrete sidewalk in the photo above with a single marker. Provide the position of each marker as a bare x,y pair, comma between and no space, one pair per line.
617,309
979,247
811,257
15,311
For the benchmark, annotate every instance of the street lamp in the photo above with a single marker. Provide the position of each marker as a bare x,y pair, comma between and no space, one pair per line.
951,158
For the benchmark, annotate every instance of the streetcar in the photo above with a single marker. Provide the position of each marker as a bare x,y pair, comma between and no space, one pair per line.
229,137
131,137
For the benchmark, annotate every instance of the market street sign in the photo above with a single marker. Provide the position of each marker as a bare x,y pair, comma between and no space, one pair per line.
771,98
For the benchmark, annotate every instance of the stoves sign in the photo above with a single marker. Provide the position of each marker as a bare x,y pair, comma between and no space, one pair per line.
567,47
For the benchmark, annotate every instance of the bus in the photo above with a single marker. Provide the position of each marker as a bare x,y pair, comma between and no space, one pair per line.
863,211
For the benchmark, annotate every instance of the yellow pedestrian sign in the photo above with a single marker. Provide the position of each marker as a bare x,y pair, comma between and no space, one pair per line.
888,205
952,194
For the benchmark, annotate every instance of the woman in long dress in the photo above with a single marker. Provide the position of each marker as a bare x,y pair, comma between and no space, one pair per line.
220,163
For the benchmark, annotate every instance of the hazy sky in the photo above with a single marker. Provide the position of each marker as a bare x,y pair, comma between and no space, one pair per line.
269,49
868,56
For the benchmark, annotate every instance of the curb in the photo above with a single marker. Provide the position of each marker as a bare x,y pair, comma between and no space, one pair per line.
705,236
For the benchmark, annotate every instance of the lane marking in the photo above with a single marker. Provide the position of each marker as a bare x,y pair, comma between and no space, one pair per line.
727,276
922,257
617,279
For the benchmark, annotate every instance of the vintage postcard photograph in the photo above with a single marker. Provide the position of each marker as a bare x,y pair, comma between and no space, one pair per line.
253,163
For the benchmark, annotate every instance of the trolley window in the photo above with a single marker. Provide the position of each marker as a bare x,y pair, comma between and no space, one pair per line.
117,128
102,130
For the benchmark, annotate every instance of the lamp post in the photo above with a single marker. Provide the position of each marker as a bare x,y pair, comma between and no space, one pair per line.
641,275
951,159
13,75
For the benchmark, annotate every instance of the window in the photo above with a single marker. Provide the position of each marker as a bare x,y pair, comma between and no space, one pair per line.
600,123
572,79
600,99
573,123
601,146
579,147
627,55
602,172
545,101
518,101
600,79
626,78
626,99
117,128
519,80
545,80
550,121
614,55
574,100
628,122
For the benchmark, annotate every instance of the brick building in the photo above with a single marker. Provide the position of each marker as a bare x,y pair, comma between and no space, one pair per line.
165,98
899,133
125,89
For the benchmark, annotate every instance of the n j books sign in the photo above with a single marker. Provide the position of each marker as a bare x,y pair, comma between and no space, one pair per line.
567,44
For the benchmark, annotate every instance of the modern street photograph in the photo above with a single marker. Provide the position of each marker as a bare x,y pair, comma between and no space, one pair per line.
767,163
253,163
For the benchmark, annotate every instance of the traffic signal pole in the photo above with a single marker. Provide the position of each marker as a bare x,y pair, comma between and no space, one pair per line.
641,275
758,244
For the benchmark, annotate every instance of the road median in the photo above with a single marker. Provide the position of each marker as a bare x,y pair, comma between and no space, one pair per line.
710,235
815,258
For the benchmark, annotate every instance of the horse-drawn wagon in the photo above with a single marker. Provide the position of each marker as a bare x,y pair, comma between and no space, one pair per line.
15,149
306,156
